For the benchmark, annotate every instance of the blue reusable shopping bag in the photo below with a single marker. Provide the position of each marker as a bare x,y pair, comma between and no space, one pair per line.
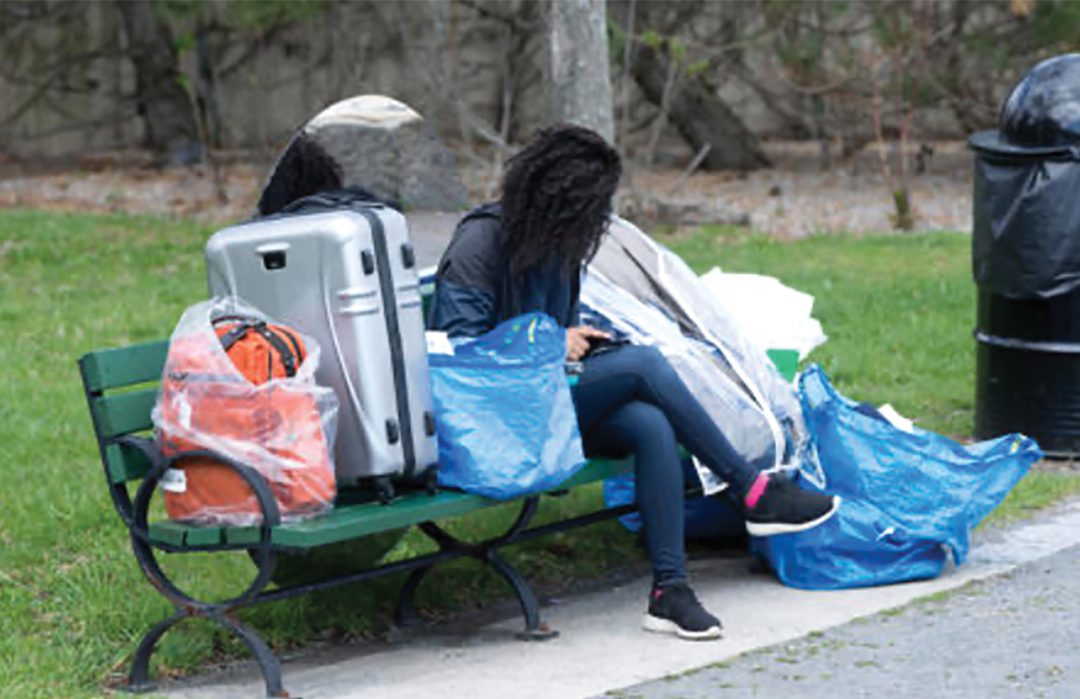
907,497
505,418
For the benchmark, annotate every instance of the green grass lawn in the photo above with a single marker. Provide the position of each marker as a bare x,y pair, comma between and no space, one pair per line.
898,311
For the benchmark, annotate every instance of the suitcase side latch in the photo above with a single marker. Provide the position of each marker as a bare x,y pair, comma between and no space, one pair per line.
393,433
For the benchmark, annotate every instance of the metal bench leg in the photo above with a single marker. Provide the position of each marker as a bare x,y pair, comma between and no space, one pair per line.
268,663
486,552
535,630
406,612
139,679
186,606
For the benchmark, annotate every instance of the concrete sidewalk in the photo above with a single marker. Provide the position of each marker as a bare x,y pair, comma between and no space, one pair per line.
601,647
1008,636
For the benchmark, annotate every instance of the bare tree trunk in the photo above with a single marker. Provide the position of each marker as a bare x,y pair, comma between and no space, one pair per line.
163,103
697,112
578,73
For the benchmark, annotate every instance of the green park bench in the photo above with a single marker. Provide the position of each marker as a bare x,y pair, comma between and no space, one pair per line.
121,392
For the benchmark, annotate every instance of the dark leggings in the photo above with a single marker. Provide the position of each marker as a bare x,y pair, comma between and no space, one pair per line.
629,400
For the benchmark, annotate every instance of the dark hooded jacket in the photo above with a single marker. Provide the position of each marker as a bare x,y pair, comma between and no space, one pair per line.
474,290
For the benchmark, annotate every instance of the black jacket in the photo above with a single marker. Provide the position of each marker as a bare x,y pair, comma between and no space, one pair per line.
474,290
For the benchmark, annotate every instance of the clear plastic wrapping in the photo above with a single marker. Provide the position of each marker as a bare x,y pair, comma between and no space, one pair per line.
281,426
649,293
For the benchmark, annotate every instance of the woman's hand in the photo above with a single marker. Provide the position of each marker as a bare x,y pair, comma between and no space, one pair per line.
577,341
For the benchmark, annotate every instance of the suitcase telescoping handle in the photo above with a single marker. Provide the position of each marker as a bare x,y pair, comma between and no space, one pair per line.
401,432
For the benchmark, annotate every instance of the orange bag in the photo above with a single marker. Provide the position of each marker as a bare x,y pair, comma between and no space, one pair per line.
255,409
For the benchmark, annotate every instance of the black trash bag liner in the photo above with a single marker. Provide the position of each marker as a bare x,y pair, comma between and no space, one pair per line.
1043,109
1026,234
1026,238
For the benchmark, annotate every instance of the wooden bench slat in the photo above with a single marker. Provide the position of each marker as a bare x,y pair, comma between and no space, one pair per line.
348,522
124,413
354,521
166,532
125,464
242,535
204,536
195,536
124,366
370,518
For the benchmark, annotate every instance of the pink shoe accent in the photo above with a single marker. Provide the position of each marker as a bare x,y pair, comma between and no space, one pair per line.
657,593
756,491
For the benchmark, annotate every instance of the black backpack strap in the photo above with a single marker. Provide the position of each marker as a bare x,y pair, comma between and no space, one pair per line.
233,336
288,359
293,341
336,199
291,357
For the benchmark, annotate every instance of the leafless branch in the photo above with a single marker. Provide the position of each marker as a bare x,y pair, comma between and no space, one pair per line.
512,45
254,47
694,164
17,113
515,22
669,85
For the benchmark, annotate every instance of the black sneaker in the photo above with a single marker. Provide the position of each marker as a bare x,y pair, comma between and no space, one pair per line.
675,609
785,508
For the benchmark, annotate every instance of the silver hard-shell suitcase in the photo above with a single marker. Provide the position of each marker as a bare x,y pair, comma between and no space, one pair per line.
343,271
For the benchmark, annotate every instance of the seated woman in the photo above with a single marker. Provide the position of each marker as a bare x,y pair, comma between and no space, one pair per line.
527,253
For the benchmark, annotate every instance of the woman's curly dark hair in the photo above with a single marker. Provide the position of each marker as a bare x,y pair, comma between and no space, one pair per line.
557,197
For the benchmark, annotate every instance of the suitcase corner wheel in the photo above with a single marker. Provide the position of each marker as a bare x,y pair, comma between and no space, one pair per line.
384,489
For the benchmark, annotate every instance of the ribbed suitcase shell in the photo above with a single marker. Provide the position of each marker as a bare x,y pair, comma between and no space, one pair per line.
347,277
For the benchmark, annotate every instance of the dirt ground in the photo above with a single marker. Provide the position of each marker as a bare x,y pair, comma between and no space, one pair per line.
796,197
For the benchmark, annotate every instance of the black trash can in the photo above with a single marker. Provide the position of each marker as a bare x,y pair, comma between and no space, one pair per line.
1026,262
